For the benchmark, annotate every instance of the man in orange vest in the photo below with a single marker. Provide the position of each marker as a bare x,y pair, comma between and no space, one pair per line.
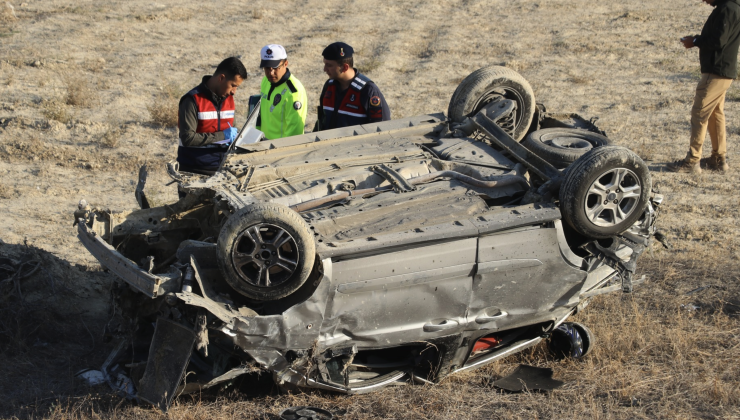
348,97
206,118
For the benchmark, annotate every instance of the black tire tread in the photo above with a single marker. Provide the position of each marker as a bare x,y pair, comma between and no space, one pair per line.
468,91
579,173
562,158
589,340
260,213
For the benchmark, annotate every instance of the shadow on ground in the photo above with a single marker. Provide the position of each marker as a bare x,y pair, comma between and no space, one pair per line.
53,323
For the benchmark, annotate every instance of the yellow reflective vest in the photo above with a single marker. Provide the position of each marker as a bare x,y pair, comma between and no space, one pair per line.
283,108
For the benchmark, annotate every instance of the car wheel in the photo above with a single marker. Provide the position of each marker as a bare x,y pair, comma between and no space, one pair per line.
566,341
266,251
489,84
605,192
589,341
563,146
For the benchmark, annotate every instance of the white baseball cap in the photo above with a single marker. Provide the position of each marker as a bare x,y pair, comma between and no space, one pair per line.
271,55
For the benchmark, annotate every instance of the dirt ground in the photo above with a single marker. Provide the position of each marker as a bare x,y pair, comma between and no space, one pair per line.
87,90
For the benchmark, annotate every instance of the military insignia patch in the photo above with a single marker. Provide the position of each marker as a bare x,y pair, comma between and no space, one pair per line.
297,105
375,101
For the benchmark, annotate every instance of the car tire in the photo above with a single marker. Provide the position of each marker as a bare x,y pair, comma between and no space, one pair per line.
563,146
605,192
589,341
569,340
566,341
266,251
488,84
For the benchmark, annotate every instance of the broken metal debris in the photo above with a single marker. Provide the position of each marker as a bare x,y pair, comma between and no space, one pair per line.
92,377
169,354
660,237
124,385
305,413
139,192
528,378
698,289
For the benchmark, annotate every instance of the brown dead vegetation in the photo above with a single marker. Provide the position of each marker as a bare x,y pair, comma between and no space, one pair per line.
79,90
163,110
53,109
89,157
112,135
7,13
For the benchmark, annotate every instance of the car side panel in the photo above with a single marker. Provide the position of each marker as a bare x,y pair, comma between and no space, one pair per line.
522,279
400,297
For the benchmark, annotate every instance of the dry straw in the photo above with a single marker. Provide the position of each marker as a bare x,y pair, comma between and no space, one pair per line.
163,110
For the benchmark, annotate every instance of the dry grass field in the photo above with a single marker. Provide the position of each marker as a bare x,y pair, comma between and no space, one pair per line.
87,90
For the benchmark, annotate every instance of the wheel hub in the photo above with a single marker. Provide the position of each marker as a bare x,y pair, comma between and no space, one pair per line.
613,197
513,117
264,255
571,143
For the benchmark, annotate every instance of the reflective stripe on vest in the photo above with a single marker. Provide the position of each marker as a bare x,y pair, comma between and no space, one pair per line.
350,104
210,119
213,115
283,109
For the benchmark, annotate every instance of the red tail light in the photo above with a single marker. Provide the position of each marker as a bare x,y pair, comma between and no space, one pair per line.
486,343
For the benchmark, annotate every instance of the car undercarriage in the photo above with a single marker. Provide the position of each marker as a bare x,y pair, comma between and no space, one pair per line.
352,259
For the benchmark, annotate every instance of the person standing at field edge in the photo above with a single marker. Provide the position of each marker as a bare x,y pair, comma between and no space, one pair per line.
283,107
348,97
718,48
205,118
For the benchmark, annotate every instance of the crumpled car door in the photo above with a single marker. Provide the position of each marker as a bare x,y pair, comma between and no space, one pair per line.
522,279
399,297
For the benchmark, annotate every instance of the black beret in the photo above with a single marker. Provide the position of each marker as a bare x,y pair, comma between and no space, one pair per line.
338,51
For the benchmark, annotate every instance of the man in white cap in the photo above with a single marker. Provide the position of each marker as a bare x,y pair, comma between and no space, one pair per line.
283,108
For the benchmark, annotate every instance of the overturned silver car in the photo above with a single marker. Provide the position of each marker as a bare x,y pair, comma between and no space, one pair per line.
355,258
